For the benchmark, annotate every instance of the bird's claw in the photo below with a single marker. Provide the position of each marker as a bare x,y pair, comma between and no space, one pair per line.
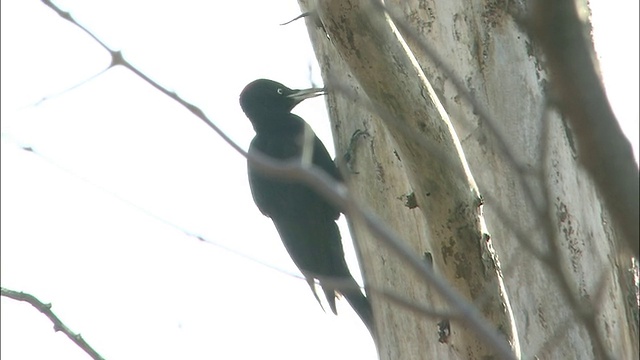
349,156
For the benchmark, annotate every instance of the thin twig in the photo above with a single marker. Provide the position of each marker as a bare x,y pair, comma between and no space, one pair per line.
58,325
340,285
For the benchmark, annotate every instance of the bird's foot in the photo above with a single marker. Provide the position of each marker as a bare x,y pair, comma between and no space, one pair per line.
349,156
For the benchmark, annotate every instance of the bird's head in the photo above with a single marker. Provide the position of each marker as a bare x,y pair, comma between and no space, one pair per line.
267,100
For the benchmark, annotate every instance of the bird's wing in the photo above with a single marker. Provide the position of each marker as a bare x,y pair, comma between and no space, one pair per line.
270,196
322,159
275,196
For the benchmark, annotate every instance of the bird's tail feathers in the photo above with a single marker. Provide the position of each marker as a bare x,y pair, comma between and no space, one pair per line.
350,289
330,294
312,285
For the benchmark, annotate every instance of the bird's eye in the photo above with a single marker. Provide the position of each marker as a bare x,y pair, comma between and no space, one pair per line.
280,91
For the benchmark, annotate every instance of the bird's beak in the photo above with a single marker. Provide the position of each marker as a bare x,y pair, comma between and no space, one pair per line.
299,95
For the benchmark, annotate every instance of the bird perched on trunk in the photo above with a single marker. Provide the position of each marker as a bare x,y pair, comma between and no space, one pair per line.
305,221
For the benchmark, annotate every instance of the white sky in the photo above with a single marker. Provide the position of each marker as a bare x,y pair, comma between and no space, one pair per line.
98,225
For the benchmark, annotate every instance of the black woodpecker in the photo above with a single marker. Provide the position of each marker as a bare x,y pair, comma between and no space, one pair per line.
305,221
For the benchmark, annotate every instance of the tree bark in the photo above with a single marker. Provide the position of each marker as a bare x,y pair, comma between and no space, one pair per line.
564,272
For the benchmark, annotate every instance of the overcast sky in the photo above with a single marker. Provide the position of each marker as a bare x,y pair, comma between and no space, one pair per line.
102,219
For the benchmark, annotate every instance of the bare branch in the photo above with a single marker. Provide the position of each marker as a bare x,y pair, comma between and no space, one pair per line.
557,262
58,325
604,151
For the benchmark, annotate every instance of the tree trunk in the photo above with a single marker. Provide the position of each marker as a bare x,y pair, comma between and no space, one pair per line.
565,289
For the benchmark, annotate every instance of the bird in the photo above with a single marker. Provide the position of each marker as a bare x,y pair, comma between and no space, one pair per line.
304,219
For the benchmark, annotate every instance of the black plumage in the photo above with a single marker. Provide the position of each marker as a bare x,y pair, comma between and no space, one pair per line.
304,219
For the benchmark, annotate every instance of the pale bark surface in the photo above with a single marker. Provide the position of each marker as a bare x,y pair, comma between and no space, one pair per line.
565,277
